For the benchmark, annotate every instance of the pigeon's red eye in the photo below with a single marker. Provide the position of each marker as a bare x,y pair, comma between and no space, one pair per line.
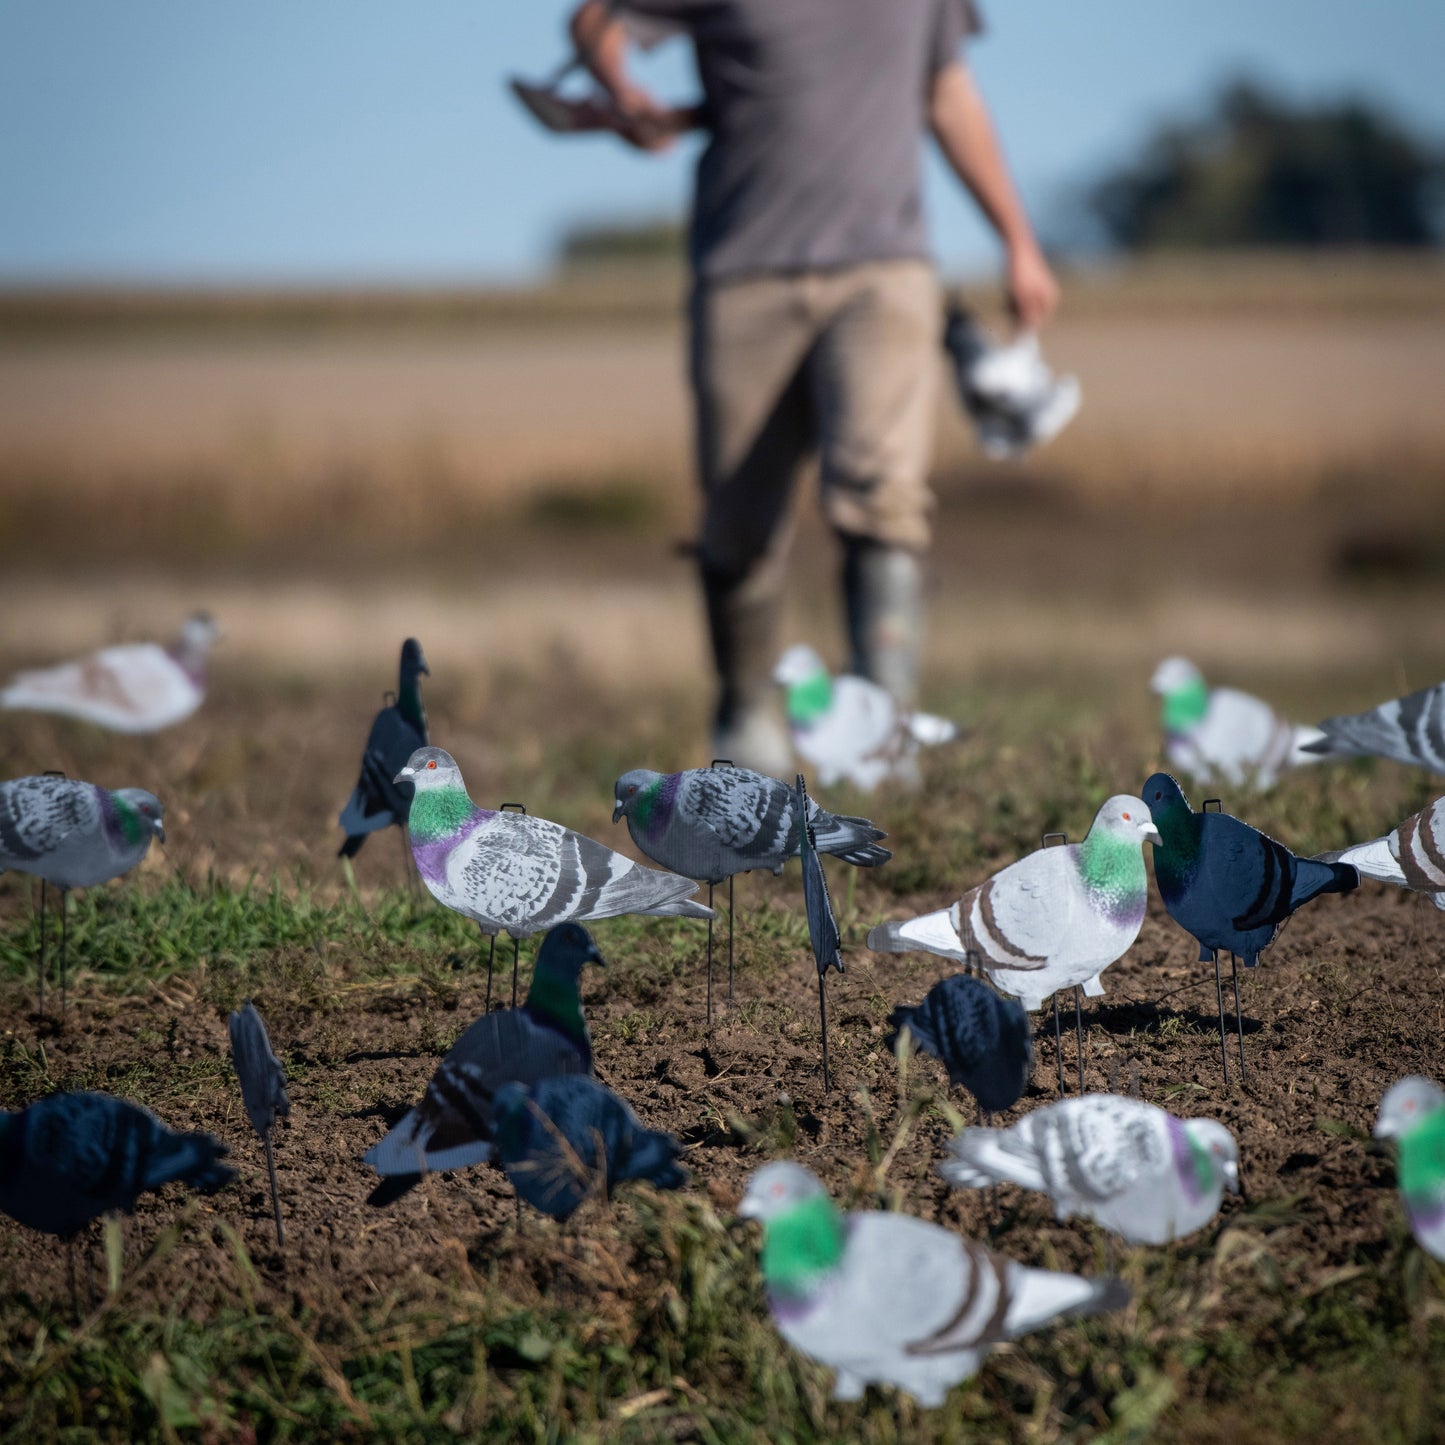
1126,817
432,764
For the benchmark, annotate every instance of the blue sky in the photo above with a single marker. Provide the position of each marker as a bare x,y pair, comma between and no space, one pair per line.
357,141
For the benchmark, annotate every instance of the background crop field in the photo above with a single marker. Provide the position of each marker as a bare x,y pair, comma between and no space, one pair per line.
1255,481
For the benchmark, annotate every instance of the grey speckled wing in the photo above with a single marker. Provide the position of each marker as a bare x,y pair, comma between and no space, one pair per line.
1099,1146
37,814
751,813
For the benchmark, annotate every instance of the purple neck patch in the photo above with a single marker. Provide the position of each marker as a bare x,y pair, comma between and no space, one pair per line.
1188,1166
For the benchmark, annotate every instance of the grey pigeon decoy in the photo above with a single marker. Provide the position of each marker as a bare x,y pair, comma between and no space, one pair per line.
1409,729
73,835
135,688
69,1158
396,733
263,1088
564,1139
1411,856
984,1040
887,1299
1056,918
1228,884
850,728
712,823
822,926
452,1127
1413,1114
1133,1168
1222,735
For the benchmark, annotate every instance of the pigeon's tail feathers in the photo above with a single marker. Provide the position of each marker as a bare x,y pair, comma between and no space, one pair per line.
1312,879
651,891
681,908
1037,1296
991,1156
392,1188
930,730
402,1151
1372,860
854,840
931,933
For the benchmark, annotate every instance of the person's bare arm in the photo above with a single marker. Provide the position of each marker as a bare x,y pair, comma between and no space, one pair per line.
601,42
964,131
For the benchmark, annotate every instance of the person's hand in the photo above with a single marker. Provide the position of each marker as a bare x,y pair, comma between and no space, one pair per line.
1033,293
645,123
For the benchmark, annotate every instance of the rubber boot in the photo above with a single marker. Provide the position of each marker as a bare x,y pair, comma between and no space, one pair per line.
744,618
883,602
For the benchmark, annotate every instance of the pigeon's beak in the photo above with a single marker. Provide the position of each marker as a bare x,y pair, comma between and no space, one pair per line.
159,829
1231,1179
594,955
405,775
616,809
1150,832
750,1208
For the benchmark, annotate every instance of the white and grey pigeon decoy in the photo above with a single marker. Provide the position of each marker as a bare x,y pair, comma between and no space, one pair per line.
1056,918
1409,729
263,1089
518,873
73,834
887,1299
1132,1168
710,823
850,728
1413,1114
137,687
1410,856
1221,735
1012,397
397,731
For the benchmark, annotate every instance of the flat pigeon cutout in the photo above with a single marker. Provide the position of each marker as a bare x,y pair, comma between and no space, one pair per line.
1409,730
849,729
1410,856
519,873
136,688
1220,735
1132,1168
712,823
1412,1113
1055,919
887,1299
75,834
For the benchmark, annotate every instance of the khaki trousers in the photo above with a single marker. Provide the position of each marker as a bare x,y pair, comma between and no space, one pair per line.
842,364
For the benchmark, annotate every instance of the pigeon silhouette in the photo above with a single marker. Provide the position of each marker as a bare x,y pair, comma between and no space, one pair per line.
1409,729
69,1158
1226,883
887,1299
563,1139
452,1127
1222,735
1413,1114
984,1040
710,823
263,1089
519,873
135,688
1134,1169
1411,856
396,733
1056,918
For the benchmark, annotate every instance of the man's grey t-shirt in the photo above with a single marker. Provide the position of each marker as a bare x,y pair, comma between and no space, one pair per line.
817,110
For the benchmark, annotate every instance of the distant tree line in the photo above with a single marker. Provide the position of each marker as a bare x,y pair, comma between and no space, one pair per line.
1257,171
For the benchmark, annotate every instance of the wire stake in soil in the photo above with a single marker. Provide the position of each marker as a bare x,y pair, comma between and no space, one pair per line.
1238,1017
1079,1035
1219,998
1048,842
275,1192
710,923
491,956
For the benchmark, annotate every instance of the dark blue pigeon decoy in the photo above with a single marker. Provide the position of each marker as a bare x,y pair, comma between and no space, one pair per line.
69,1158
263,1088
398,731
983,1039
564,1139
452,1127
1228,884
822,926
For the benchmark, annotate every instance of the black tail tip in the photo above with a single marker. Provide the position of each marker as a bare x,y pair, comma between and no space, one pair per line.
352,846
391,1189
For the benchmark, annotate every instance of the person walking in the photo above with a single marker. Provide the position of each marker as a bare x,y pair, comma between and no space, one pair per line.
815,314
